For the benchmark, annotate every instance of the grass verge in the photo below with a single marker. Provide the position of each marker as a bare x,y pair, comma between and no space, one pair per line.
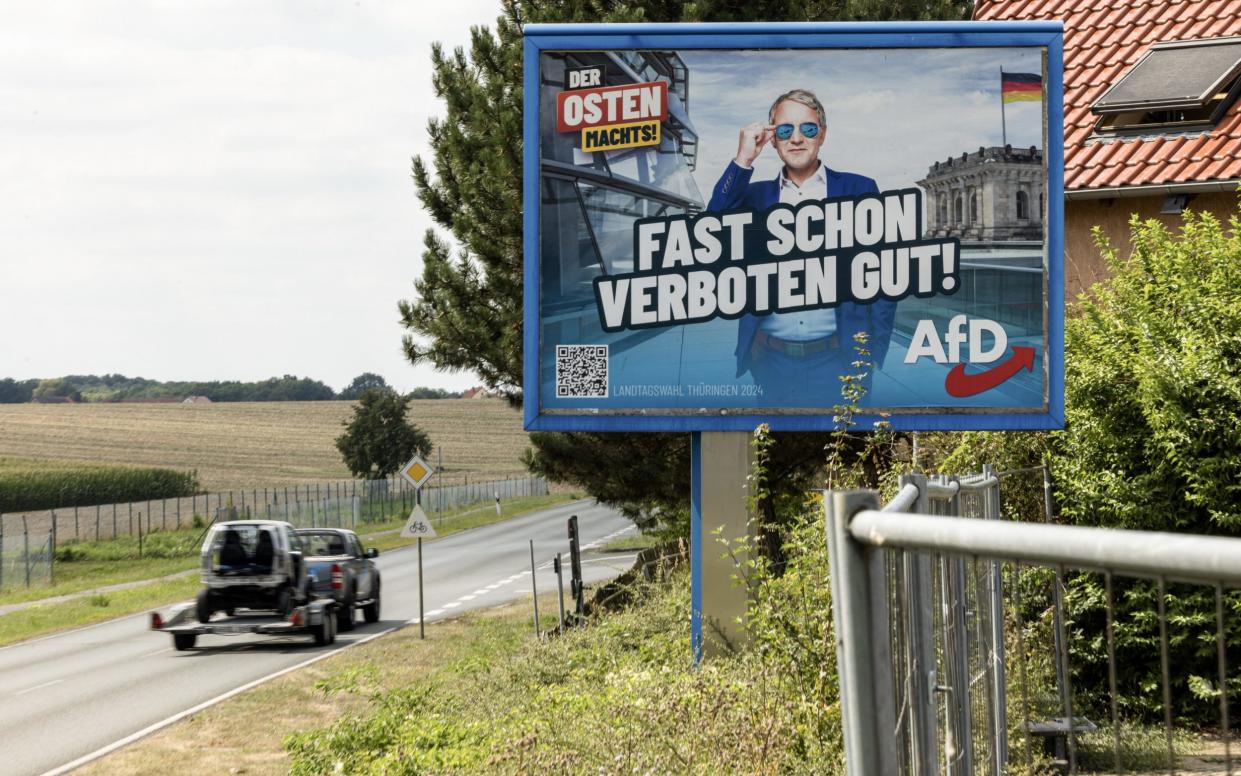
630,542
98,564
245,733
40,619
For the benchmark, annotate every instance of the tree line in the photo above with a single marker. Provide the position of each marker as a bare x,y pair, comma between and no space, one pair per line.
119,388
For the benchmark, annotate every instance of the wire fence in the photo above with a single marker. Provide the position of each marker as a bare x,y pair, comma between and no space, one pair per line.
28,541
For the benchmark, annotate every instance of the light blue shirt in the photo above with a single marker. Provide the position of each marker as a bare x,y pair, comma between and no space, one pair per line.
806,324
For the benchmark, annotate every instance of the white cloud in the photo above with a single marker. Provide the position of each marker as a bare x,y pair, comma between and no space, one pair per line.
215,190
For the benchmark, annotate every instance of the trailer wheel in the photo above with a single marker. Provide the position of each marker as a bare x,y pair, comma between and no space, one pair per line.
325,631
204,608
184,641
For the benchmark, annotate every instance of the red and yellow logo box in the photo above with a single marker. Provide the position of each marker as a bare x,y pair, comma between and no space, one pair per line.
613,117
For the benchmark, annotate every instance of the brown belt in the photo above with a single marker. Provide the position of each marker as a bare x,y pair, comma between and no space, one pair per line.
796,348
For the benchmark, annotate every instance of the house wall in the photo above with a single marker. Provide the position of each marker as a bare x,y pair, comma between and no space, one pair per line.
1083,264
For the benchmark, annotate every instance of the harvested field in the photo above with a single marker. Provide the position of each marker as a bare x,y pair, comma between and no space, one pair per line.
253,444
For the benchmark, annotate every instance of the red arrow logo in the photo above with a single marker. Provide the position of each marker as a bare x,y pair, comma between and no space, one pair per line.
960,384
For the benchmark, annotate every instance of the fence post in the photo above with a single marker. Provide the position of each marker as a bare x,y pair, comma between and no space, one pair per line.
999,699
53,523
1,551
77,536
863,650
919,625
960,749
97,511
26,548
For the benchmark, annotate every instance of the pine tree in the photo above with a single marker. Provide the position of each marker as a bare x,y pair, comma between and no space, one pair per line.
468,313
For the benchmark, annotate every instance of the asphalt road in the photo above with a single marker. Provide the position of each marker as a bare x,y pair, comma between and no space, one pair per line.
68,696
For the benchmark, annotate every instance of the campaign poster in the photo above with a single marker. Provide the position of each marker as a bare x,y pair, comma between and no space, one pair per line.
729,225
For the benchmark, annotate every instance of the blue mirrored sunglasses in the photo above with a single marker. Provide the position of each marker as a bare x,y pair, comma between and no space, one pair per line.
809,130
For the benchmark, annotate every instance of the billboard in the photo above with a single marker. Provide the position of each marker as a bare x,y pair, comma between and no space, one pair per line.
731,224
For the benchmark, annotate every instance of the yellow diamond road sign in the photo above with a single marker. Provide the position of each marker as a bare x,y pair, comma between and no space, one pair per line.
417,472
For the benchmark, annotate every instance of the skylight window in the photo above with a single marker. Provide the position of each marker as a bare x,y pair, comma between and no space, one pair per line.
1179,86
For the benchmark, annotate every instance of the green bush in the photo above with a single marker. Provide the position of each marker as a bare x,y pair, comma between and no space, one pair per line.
1152,409
31,486
616,696
1153,380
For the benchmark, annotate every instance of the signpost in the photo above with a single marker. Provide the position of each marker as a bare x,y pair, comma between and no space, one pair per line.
416,473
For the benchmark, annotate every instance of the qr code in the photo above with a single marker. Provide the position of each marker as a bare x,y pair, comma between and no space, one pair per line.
582,371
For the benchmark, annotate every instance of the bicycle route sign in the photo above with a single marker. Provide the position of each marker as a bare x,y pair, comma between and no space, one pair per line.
419,525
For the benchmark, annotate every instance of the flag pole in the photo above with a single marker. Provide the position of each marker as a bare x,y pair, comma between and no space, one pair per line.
1003,121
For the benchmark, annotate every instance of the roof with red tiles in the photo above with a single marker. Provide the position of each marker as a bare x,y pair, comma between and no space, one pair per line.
1103,39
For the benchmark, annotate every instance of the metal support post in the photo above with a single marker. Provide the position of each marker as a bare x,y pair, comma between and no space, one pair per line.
26,548
920,618
999,697
534,589
559,589
720,520
422,625
960,753
575,571
860,611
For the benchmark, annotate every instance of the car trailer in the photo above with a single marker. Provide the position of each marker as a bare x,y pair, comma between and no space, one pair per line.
318,618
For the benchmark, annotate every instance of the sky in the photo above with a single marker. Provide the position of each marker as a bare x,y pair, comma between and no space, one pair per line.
890,114
216,190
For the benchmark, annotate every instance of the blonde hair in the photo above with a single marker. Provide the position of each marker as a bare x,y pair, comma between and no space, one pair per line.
803,96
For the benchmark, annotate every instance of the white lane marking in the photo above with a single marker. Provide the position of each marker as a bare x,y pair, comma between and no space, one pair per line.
156,652
452,605
434,612
412,621
146,731
38,687
467,598
496,586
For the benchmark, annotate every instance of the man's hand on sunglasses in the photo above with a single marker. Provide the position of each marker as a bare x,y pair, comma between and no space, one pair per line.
751,141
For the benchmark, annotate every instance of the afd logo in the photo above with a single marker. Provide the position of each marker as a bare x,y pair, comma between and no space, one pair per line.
986,341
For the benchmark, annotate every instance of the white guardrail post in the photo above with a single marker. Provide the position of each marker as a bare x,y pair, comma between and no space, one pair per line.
863,649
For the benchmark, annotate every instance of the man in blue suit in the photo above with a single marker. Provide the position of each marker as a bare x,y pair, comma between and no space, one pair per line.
798,357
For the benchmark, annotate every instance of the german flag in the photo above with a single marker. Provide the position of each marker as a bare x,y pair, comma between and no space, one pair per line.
1015,87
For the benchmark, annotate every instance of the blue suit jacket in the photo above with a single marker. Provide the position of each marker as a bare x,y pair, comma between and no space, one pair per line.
735,190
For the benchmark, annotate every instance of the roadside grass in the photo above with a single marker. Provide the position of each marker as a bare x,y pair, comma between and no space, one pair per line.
115,561
45,618
632,541
481,695
244,734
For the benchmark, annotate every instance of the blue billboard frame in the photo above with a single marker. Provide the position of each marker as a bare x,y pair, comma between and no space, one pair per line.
795,35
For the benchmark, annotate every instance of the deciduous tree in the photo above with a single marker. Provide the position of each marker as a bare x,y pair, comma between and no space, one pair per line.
378,439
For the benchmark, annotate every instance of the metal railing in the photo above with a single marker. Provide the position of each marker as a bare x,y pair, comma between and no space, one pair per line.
923,623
